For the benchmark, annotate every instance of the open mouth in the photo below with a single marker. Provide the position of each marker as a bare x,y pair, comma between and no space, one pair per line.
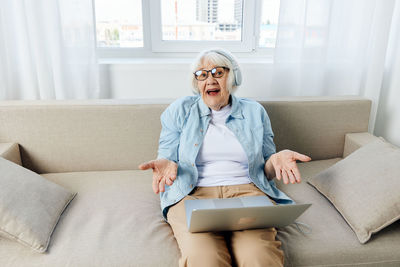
213,91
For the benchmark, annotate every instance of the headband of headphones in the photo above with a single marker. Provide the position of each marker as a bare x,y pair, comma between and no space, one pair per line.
236,70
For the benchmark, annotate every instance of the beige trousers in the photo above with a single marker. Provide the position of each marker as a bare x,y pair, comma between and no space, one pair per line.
256,247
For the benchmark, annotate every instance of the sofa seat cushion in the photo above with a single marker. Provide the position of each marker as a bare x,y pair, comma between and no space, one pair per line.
332,242
114,220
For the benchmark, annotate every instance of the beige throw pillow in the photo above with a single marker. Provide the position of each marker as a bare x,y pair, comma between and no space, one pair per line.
30,205
364,187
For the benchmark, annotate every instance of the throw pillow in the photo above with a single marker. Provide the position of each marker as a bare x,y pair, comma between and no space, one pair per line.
364,187
30,205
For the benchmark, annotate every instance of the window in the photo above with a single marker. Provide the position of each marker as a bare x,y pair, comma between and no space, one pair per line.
190,25
199,20
119,23
145,27
269,23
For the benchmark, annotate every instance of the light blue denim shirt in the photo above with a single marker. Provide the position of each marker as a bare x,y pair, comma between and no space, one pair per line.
184,124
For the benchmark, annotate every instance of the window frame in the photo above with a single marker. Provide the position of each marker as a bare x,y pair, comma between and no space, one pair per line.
155,47
244,45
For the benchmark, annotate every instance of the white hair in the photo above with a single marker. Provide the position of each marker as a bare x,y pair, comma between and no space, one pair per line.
218,60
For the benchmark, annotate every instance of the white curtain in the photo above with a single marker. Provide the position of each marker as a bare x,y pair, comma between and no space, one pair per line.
47,50
332,47
388,116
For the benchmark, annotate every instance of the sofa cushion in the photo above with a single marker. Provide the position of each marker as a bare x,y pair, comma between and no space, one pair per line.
331,242
119,134
364,187
30,206
10,151
114,220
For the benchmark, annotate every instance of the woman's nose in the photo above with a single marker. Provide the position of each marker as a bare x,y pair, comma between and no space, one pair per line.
210,79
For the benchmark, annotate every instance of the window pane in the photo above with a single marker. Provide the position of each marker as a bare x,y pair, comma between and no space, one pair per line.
119,23
205,20
269,23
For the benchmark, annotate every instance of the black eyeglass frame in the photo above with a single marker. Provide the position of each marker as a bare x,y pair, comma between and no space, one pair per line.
211,71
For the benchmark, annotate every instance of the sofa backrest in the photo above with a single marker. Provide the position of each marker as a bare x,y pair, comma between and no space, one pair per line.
97,135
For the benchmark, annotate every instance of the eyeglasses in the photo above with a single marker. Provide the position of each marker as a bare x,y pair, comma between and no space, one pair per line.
216,72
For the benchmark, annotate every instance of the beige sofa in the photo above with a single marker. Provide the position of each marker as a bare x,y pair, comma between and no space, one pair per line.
94,147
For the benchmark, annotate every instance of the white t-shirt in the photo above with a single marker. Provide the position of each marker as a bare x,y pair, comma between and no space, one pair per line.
221,159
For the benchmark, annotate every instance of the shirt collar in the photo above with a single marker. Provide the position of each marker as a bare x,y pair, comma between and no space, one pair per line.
204,109
236,108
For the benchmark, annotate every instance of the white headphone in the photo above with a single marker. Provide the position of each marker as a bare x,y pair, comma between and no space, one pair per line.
236,70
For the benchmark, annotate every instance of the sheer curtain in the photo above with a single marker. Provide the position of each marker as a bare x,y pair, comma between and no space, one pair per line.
388,116
47,50
332,47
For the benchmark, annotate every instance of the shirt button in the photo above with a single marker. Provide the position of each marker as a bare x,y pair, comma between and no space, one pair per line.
191,186
201,130
193,164
196,144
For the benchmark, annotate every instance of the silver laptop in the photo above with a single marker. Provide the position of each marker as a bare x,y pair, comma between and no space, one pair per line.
230,214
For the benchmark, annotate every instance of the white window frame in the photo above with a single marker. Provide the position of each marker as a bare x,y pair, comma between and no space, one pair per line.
247,43
155,47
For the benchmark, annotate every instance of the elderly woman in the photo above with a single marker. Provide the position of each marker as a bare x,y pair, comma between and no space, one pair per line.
215,145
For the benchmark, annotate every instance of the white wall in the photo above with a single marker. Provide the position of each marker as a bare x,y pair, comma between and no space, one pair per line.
170,79
161,79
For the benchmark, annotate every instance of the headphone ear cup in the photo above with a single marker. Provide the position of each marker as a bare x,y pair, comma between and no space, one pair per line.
238,76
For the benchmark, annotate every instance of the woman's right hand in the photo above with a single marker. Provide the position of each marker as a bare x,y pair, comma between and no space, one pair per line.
164,172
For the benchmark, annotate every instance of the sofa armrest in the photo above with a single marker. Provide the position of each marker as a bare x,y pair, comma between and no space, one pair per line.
353,141
10,151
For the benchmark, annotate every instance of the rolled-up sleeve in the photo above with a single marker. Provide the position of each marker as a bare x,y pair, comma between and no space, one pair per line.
268,146
170,135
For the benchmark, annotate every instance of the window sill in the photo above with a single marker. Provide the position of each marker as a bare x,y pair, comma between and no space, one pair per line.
176,61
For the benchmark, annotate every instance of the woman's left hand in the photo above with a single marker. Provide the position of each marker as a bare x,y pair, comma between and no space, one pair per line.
284,165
